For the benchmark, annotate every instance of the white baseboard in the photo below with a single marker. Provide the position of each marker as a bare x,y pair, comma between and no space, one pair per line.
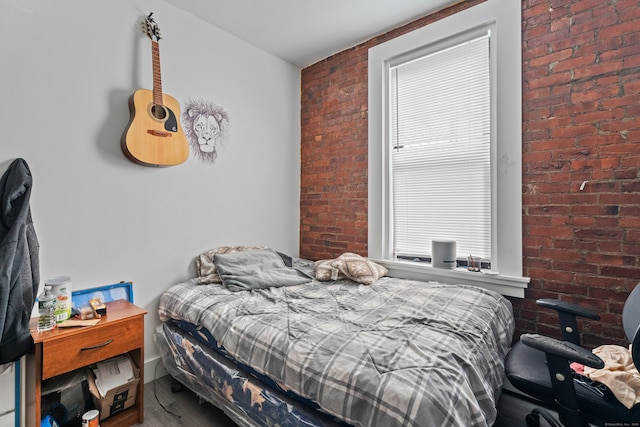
8,419
154,369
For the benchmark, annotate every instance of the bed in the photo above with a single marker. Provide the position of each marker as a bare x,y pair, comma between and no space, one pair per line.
392,353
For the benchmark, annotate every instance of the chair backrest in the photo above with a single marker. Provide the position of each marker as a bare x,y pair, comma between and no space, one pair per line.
631,323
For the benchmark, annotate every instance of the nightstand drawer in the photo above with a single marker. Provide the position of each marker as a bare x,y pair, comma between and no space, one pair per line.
94,344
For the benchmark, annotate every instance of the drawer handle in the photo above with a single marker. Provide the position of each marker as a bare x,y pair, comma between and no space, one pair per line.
93,347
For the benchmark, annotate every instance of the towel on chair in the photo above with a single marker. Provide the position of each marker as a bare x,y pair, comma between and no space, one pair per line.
619,373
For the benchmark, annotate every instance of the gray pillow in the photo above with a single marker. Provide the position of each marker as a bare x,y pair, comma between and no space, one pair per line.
256,269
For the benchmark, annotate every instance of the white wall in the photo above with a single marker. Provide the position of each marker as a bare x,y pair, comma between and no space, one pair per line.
68,68
7,393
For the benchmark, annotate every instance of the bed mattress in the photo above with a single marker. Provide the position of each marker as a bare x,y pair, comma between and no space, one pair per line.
189,357
398,352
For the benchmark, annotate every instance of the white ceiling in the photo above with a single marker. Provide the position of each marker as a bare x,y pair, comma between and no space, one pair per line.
303,32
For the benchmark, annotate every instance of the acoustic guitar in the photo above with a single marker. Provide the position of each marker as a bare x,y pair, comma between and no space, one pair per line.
154,136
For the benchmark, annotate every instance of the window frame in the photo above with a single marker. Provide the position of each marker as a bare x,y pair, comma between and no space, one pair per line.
503,17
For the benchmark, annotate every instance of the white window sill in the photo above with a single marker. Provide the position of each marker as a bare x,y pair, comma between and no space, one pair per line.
505,285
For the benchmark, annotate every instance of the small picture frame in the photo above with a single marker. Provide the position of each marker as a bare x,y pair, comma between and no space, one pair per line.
116,291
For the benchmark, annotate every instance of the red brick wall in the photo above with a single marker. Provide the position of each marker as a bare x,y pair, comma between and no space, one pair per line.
333,196
581,122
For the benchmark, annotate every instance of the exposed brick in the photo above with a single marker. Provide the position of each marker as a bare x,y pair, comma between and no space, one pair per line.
551,80
581,122
549,59
584,5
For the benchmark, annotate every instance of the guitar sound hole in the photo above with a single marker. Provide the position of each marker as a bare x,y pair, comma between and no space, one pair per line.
158,112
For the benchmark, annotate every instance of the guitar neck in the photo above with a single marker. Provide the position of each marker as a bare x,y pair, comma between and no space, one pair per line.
157,79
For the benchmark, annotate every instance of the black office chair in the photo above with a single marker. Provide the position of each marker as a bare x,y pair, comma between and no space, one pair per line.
539,366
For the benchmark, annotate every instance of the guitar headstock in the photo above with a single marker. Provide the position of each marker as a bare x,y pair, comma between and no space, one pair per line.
151,29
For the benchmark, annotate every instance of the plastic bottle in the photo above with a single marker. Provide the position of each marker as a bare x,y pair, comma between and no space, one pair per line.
61,289
46,310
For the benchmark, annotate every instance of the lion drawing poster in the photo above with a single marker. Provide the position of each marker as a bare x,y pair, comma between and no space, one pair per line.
206,126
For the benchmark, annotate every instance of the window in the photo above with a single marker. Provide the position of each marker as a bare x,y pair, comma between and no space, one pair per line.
445,147
440,149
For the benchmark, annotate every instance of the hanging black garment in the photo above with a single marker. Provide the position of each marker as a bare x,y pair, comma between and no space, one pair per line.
19,262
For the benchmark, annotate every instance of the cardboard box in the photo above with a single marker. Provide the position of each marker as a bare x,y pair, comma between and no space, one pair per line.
117,399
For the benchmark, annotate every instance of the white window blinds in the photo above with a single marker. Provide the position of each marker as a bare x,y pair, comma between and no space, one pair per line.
441,144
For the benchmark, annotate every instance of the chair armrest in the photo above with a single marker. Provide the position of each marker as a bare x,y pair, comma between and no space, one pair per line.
567,313
564,349
567,307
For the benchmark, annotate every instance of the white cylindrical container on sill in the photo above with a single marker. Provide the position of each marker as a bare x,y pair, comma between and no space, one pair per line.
443,254
61,288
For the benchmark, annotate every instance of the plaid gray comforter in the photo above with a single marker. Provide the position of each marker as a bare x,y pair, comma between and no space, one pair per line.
395,353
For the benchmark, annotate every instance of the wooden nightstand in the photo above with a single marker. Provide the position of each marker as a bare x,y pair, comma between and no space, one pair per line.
65,349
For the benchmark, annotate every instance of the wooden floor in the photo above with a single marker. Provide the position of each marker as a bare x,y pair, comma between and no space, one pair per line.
180,409
186,406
